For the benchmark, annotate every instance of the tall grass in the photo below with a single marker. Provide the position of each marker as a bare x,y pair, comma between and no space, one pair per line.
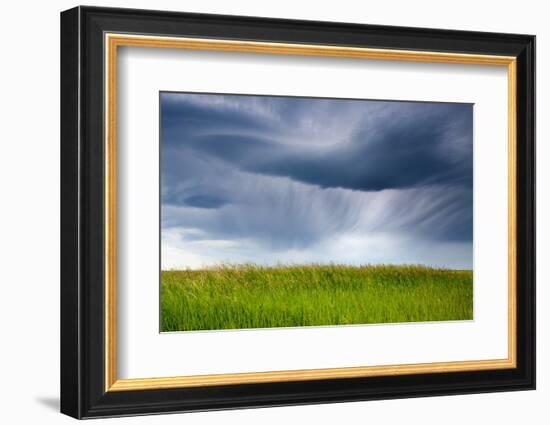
250,296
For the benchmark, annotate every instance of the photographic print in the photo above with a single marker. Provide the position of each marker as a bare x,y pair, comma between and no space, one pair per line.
280,211
259,212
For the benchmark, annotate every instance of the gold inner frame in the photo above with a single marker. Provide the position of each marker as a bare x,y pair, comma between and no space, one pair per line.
113,41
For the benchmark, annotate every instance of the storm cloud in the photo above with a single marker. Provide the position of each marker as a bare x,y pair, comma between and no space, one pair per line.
284,179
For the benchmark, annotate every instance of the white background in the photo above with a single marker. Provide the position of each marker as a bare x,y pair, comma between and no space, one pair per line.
145,72
29,228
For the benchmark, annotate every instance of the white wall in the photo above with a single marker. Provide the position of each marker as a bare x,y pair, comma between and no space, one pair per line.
29,210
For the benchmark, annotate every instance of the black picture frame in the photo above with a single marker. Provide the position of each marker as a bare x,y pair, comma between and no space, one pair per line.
83,392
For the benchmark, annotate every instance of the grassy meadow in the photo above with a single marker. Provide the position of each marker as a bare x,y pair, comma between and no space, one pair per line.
250,296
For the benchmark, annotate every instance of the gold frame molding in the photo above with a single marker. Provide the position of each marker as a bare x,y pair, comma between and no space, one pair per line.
113,41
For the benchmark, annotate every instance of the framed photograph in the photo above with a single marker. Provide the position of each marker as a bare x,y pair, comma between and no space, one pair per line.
260,212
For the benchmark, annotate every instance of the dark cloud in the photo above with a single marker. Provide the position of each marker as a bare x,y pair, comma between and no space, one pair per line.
407,148
204,201
287,173
402,156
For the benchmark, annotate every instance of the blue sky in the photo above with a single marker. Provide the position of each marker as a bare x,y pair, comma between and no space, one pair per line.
270,180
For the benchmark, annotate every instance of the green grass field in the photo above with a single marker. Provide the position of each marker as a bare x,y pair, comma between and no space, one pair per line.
236,297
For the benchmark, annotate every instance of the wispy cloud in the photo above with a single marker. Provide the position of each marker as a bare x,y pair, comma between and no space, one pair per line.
272,179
